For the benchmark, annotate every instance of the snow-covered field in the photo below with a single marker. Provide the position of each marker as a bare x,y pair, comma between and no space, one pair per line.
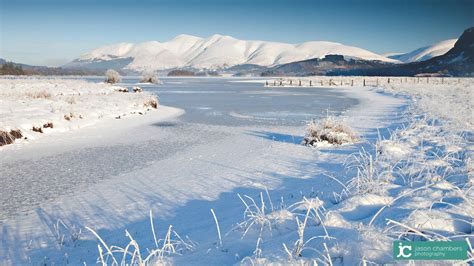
40,106
253,194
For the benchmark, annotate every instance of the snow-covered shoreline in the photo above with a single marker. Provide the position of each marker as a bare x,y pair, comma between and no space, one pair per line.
38,106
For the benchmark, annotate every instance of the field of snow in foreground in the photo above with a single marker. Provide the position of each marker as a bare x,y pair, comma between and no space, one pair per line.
254,195
38,106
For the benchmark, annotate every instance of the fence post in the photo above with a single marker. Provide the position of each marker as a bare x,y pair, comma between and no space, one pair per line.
364,82
291,82
310,83
300,82
322,83
388,80
352,83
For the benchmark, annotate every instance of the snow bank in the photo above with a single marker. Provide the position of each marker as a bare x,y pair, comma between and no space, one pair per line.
413,182
38,105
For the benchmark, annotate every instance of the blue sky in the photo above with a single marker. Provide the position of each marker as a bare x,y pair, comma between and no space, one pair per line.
53,32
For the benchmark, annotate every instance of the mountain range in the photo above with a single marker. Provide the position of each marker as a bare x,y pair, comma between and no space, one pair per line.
219,54
214,52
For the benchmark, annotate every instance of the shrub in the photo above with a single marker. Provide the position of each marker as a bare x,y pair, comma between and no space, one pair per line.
112,76
152,102
150,77
330,131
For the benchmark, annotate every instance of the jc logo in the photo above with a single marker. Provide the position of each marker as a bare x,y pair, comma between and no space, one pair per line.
404,251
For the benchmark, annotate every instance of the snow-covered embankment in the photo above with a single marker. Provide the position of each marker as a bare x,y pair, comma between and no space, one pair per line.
32,107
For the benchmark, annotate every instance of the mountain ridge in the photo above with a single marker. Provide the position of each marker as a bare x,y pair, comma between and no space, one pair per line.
215,52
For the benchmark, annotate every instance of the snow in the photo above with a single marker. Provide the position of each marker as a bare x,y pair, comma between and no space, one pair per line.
67,104
282,184
425,53
219,51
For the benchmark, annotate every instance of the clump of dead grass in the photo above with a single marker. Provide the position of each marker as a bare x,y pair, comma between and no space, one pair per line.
152,102
329,131
8,137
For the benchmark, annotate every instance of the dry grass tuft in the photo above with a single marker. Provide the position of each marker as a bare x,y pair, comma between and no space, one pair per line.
137,89
122,89
37,129
9,137
69,116
330,131
16,133
48,125
152,102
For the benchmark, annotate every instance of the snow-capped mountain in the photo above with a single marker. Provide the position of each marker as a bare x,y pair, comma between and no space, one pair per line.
214,52
425,53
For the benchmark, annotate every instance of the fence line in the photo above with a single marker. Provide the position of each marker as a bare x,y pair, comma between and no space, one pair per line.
351,81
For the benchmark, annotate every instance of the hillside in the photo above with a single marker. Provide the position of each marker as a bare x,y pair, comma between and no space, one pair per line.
425,53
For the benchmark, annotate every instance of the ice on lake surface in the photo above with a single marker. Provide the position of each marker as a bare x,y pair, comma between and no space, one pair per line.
215,108
222,101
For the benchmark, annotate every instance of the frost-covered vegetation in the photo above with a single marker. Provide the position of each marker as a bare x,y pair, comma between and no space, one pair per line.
39,105
150,77
112,76
328,131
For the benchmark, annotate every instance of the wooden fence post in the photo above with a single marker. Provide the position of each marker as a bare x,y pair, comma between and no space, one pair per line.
310,82
364,82
352,83
388,80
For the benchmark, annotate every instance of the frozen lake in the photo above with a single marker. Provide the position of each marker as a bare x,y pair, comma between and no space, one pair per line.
226,101
216,108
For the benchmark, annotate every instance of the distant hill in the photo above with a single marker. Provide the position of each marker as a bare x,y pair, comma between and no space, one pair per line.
425,53
323,66
458,61
180,73
8,68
